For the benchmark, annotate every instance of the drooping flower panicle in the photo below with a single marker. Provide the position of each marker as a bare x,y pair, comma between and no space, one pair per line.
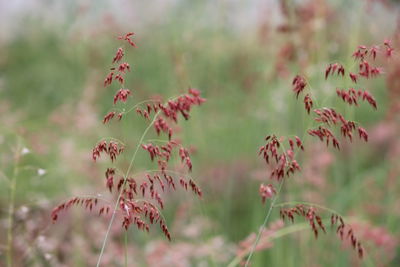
299,83
281,162
140,198
316,223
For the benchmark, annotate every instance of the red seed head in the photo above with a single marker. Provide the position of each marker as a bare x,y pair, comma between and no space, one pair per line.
266,191
122,95
353,77
299,83
118,55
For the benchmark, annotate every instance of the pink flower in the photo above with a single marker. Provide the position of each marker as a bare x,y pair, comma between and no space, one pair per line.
118,55
122,95
299,83
266,191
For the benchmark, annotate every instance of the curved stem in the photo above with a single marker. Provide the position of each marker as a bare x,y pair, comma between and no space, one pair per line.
11,209
157,140
120,192
138,104
264,223
126,175
126,248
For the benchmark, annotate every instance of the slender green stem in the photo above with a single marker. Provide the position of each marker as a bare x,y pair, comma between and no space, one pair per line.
133,107
139,144
264,223
157,140
11,210
138,104
126,248
120,192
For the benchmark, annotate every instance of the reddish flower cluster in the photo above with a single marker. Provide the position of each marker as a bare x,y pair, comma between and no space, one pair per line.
119,78
170,111
353,77
316,224
182,105
266,191
373,51
388,48
108,80
308,103
149,187
133,212
172,108
285,164
138,199
327,118
185,158
326,135
160,125
113,149
299,83
194,188
362,134
127,37
110,178
332,68
122,95
365,69
356,244
118,56
163,154
160,152
362,52
123,67
308,213
144,113
88,203
330,117
352,96
108,117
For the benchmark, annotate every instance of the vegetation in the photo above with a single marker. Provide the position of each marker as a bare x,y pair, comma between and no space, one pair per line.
52,105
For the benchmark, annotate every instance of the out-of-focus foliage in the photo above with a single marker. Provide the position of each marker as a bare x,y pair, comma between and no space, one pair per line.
240,56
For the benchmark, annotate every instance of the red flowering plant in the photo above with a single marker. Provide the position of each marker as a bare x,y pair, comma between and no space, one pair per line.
330,124
137,200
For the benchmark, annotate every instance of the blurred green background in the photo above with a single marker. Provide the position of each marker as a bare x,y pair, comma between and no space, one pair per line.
242,56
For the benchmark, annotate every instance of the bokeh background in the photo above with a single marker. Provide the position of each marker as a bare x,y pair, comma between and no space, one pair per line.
242,55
